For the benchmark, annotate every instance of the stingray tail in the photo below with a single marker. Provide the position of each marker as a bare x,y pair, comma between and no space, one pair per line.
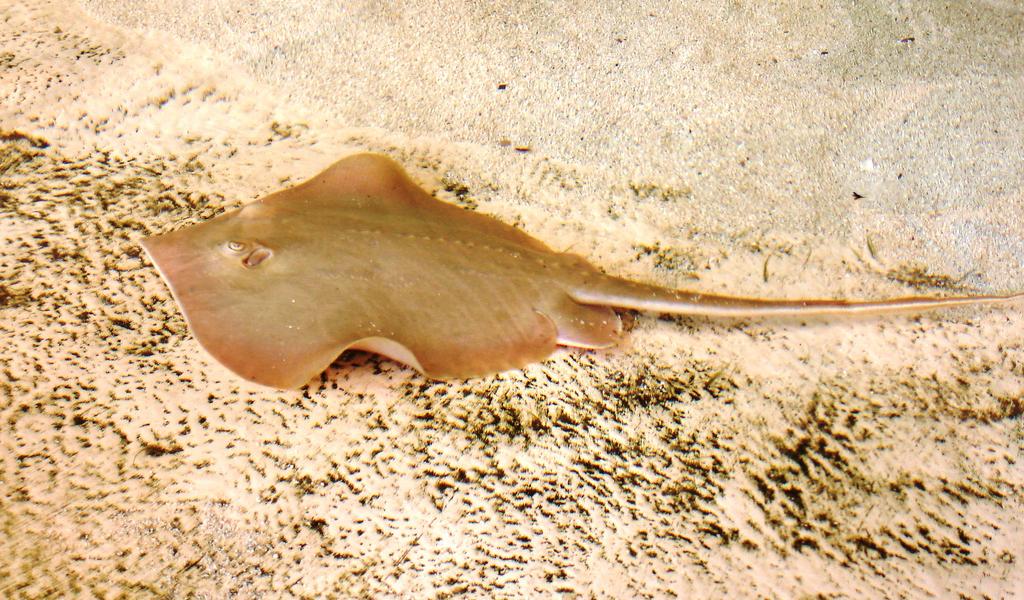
622,293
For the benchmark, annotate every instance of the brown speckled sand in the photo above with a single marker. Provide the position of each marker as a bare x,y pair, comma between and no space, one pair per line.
717,146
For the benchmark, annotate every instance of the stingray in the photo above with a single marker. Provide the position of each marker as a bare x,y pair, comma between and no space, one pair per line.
361,257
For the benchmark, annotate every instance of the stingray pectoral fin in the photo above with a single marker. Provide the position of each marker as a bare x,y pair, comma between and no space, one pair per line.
622,293
262,329
442,349
258,347
260,352
390,349
282,363
474,345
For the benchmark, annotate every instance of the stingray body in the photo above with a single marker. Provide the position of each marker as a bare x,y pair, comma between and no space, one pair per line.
361,257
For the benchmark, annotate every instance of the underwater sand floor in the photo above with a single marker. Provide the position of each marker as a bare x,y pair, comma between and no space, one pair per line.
719,148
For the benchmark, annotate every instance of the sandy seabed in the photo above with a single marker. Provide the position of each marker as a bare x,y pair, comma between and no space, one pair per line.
843,152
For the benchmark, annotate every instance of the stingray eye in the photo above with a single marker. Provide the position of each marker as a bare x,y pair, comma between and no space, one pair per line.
234,246
257,256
